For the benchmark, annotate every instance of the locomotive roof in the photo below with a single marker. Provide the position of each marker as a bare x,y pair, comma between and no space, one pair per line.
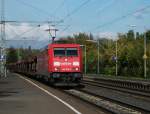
64,45
59,45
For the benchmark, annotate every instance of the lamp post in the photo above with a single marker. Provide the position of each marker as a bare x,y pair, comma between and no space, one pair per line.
84,58
145,57
116,57
94,41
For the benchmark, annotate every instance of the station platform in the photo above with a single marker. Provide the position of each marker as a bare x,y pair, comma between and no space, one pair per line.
20,97
17,96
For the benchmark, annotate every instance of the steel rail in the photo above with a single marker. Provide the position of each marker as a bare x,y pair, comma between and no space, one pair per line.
118,88
140,109
127,84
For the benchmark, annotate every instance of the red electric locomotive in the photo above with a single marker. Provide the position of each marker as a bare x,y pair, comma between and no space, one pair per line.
60,64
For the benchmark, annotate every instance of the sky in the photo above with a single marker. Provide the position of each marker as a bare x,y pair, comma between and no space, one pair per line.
99,17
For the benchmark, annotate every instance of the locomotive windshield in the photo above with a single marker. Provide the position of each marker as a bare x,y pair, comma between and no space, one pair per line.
65,52
59,51
71,52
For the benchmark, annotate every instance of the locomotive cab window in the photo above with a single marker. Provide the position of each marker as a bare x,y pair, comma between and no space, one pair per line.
71,52
59,51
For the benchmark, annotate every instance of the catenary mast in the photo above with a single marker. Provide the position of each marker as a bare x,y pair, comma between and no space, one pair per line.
2,41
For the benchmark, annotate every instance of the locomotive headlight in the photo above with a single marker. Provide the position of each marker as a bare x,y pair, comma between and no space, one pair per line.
56,69
77,68
56,63
75,63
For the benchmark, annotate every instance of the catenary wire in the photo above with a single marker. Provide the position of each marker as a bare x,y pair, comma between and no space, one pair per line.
119,19
34,7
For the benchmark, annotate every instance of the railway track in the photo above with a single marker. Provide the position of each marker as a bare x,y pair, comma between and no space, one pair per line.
106,104
142,86
134,92
118,88
110,105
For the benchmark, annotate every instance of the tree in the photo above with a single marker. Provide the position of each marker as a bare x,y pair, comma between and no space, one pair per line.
12,55
130,35
148,35
130,53
137,35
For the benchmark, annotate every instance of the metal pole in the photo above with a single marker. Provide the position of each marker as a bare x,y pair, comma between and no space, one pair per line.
18,54
116,58
85,58
3,62
145,57
4,40
1,35
1,69
98,57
